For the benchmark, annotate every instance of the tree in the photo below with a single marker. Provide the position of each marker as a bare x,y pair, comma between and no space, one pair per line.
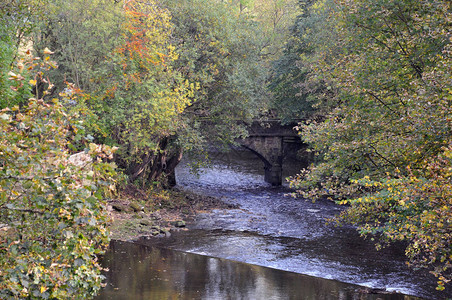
15,25
120,66
219,51
290,72
275,17
52,212
140,105
386,67
82,57
167,77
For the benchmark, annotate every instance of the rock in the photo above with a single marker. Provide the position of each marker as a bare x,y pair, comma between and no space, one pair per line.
119,207
155,216
146,222
134,225
178,224
167,234
136,207
157,228
164,230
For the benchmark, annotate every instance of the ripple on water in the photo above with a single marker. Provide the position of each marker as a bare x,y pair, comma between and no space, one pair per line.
272,230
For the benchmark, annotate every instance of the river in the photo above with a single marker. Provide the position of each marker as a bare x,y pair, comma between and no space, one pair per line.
278,233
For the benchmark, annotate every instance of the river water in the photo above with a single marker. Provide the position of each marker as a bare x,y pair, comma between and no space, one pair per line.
279,233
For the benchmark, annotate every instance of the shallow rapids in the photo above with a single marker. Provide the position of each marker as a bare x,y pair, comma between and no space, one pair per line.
273,230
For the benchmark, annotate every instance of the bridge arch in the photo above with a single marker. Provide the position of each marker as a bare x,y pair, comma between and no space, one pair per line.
270,151
268,141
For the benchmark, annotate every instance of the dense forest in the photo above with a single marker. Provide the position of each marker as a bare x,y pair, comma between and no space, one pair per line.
131,86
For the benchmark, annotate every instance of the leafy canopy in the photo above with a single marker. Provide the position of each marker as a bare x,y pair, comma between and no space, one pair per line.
385,133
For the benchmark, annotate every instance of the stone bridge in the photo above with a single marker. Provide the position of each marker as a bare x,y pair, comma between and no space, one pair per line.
272,142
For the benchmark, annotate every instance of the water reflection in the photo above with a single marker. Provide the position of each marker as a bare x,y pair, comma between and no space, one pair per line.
348,262
141,272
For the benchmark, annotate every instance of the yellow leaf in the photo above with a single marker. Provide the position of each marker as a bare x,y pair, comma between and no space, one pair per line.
43,289
32,82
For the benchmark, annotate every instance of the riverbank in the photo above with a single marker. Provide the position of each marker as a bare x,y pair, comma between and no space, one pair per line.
136,213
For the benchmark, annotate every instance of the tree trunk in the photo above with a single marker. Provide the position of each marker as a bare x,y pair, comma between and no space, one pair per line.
171,167
154,164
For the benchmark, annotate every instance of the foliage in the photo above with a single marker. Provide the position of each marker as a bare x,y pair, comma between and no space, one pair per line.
218,50
416,207
15,25
12,90
387,106
140,103
157,78
275,18
120,66
82,57
52,211
289,72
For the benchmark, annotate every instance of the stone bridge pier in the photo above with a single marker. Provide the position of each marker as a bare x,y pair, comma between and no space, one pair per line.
270,151
271,144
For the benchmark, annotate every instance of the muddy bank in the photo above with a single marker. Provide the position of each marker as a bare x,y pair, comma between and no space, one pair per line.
137,214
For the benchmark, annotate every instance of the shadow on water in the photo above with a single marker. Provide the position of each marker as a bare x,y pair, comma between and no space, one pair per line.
142,272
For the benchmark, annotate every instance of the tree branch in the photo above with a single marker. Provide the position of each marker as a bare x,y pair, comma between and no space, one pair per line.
382,157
